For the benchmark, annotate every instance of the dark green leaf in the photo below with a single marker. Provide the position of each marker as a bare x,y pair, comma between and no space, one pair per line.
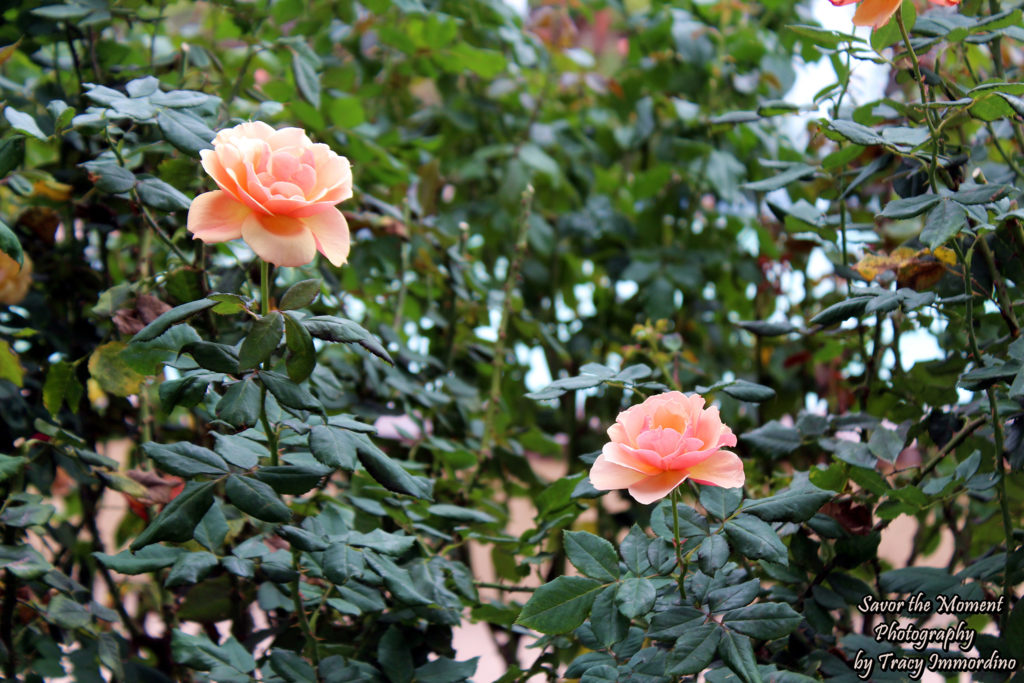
764,328
332,448
635,597
694,650
160,195
185,131
720,502
300,295
172,317
389,473
909,207
191,568
290,479
212,356
561,605
774,438
334,329
738,653
341,562
149,559
592,555
10,245
394,656
755,539
262,340
444,670
257,499
461,514
301,358
240,405
795,504
288,393
946,220
763,620
743,390
302,539
212,529
185,459
609,625
843,310
713,553
177,521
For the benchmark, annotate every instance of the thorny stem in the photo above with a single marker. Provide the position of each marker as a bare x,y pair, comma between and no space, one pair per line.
506,313
677,543
997,428
503,587
924,99
265,310
312,647
1005,305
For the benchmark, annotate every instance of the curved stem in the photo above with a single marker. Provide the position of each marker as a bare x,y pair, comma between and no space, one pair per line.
935,139
264,310
678,542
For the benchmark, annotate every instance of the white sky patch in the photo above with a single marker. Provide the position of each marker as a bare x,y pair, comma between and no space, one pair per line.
539,375
625,289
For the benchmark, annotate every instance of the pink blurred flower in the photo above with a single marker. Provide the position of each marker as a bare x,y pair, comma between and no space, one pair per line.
278,192
400,427
657,445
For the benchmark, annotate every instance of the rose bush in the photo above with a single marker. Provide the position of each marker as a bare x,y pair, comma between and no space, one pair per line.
278,192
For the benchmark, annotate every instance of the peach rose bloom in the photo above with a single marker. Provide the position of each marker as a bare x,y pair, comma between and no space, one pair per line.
876,13
278,192
14,279
659,444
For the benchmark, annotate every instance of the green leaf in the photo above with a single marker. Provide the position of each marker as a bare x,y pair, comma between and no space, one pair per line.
843,310
306,79
301,358
199,652
23,561
389,473
160,195
25,515
610,626
750,392
691,522
732,596
12,155
602,673
790,175
172,317
910,206
291,480
149,559
177,521
212,356
109,176
445,670
674,622
795,504
10,465
592,555
738,654
855,132
635,597
774,438
330,446
755,539
257,499
713,553
66,613
24,123
301,294
763,620
764,328
720,502
559,606
694,650
185,131
213,528
185,459
334,329
394,656
633,549
341,562
240,405
10,245
461,514
61,385
261,341
944,222
191,568
302,539
288,393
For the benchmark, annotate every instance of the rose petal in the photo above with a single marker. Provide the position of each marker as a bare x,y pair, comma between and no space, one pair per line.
721,469
281,240
875,13
605,475
630,458
217,217
330,230
657,487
